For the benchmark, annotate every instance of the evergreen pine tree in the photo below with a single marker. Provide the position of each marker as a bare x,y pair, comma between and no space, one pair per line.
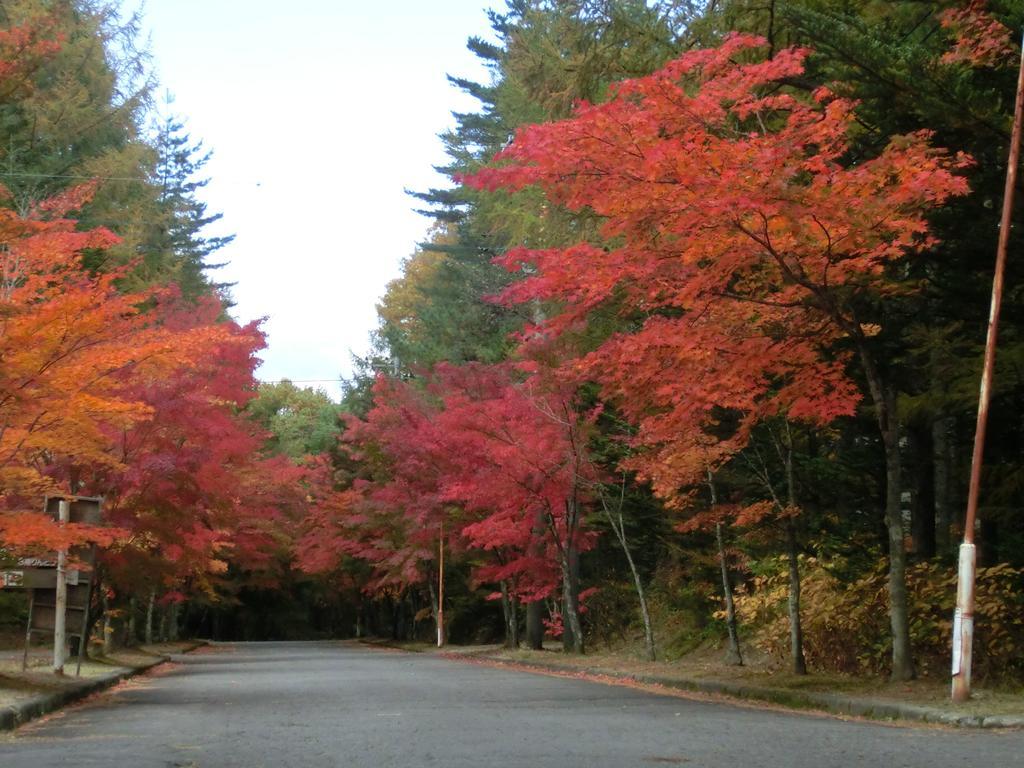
183,216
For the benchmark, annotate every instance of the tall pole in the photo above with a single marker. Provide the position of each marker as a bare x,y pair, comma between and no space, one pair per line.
61,603
963,618
440,587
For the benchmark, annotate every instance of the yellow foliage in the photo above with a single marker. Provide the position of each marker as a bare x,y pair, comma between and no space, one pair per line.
846,624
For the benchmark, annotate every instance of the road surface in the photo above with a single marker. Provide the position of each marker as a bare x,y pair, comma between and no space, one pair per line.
322,704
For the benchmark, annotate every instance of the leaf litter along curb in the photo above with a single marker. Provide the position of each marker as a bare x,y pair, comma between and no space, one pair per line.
75,692
661,689
912,717
821,693
141,680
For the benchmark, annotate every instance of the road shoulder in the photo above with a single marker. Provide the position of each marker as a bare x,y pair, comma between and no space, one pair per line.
28,695
838,703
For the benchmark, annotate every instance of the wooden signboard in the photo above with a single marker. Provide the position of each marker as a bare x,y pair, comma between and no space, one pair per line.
31,572
39,576
35,578
84,509
44,604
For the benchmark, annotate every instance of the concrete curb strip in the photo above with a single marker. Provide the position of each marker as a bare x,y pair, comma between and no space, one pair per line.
830,702
16,715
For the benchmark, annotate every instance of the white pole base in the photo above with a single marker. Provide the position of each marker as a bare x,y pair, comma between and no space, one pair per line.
963,624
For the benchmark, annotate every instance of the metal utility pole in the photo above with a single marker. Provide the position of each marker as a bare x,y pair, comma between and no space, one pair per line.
963,619
60,611
440,588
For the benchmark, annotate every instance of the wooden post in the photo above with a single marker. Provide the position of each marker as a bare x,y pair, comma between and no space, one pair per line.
149,616
61,609
108,624
83,638
28,629
963,619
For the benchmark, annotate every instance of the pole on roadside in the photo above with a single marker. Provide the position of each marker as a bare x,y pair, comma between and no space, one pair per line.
440,587
963,618
60,611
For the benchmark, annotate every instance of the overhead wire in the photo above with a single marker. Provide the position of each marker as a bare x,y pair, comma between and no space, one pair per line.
85,177
301,381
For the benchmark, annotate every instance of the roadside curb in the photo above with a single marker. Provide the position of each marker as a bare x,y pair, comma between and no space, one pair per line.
873,709
16,715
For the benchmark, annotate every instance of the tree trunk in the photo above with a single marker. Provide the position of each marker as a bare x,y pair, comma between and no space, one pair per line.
733,655
433,599
784,448
535,610
174,622
108,626
409,614
941,467
397,618
796,627
923,500
369,618
645,614
618,526
899,616
514,606
506,614
535,625
150,605
572,629
508,611
132,635
95,617
796,632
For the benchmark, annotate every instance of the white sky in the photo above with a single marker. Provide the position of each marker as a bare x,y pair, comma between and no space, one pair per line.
319,114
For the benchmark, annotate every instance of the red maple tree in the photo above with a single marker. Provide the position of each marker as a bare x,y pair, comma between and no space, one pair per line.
742,242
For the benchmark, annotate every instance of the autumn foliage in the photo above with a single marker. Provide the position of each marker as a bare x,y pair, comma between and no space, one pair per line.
742,246
712,299
118,385
980,40
738,251
734,231
133,396
485,459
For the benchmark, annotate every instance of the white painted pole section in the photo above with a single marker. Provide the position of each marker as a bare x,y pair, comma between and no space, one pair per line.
61,610
963,624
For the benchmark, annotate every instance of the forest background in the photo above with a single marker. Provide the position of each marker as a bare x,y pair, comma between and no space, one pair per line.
691,363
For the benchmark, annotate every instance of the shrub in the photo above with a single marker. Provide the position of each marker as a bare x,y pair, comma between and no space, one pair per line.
846,624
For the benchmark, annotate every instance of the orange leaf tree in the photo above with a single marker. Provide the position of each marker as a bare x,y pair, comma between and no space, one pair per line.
69,340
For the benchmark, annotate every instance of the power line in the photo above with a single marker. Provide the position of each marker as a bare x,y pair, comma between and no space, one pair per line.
20,175
77,177
301,381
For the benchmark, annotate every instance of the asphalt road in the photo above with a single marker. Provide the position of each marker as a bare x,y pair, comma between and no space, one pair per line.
320,704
